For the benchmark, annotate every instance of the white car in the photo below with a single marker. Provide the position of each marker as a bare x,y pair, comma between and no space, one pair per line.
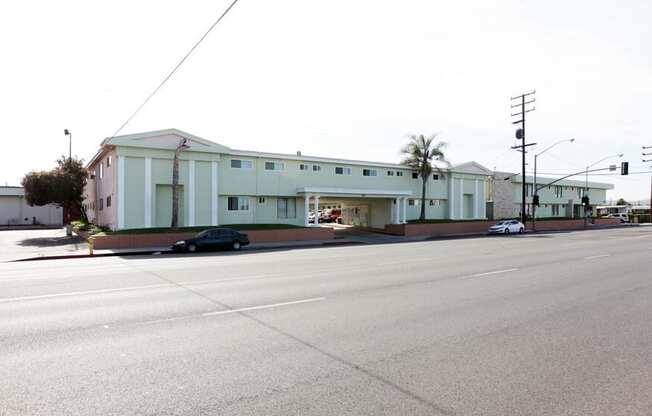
507,227
620,215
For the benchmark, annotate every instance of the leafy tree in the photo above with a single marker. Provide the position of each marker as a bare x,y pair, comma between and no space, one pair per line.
419,154
63,185
621,201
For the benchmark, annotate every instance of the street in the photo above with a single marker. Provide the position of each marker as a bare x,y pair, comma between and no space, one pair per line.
539,324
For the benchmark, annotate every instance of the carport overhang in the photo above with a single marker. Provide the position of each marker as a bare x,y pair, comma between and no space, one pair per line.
399,196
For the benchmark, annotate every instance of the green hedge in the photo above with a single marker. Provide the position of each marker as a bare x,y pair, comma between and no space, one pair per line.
239,227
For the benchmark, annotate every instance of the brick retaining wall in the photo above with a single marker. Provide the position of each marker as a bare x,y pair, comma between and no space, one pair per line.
471,227
125,241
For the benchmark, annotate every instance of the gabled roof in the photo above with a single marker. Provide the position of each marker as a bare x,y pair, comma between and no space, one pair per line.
167,139
471,167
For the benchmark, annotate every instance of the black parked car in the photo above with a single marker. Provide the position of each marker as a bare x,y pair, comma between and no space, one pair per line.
213,239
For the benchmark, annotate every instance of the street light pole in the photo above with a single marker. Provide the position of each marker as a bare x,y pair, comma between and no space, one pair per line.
649,160
68,133
586,185
534,188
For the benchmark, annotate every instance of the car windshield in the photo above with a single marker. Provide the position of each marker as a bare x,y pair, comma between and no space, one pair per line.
203,234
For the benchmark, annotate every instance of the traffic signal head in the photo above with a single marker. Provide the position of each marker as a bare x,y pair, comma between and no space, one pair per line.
624,168
585,200
535,200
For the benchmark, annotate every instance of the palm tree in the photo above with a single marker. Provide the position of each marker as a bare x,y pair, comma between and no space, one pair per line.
175,183
419,154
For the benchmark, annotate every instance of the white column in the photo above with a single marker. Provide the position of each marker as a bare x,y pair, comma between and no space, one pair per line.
397,211
191,193
451,198
316,210
483,199
404,210
476,206
306,210
214,194
148,192
121,192
461,198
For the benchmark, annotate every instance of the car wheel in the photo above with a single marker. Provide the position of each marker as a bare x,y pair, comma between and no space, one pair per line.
236,245
521,230
506,230
192,248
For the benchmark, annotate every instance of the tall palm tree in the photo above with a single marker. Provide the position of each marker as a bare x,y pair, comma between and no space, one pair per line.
419,154
175,183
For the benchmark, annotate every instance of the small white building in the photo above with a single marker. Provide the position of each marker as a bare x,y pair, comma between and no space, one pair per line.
14,210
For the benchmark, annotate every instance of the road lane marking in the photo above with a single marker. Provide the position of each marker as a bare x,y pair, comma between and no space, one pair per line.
272,305
84,292
599,256
490,273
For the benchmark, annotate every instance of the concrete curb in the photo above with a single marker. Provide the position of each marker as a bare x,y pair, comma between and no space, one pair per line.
168,251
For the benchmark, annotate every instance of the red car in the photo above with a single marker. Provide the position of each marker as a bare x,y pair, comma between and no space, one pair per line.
331,215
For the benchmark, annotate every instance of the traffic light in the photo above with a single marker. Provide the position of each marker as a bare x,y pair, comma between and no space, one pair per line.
585,200
535,200
624,168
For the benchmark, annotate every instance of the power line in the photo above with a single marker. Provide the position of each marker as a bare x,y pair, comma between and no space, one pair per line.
149,97
592,174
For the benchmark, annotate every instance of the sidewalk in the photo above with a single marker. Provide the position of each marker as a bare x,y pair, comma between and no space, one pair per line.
80,250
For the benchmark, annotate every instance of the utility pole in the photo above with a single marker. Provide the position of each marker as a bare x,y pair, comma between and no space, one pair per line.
522,101
646,161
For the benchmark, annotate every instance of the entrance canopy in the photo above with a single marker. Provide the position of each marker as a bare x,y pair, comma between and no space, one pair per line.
384,205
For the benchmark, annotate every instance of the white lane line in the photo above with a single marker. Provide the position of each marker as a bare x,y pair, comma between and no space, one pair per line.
599,256
272,305
84,292
490,273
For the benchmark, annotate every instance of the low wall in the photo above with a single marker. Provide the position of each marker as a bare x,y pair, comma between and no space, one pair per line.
125,241
439,229
552,225
475,227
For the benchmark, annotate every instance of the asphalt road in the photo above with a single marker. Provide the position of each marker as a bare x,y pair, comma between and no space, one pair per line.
553,324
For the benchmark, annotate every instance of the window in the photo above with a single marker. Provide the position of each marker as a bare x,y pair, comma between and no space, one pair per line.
101,170
399,173
369,172
241,164
342,171
108,165
303,166
529,189
316,168
101,204
390,173
93,175
435,202
261,200
286,208
559,191
415,175
238,203
411,202
555,209
108,201
274,166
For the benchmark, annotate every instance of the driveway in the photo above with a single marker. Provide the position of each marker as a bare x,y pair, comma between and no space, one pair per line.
20,244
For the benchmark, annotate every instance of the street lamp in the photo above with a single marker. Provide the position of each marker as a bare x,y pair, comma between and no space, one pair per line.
67,132
534,190
586,184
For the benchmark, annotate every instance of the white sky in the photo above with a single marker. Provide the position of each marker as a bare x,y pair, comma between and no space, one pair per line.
332,78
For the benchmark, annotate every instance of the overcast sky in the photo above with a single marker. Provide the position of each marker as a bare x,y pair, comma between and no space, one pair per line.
332,78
